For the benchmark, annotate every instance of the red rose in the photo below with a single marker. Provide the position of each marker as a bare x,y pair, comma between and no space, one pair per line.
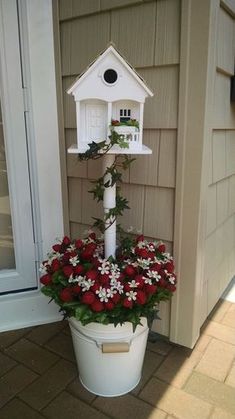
88,297
127,303
79,244
171,287
109,305
140,238
66,295
116,298
56,247
139,280
95,287
55,265
97,306
78,270
156,266
143,253
169,266
161,248
104,279
92,274
68,270
129,270
46,279
66,241
127,287
150,288
141,297
76,289
162,283
92,236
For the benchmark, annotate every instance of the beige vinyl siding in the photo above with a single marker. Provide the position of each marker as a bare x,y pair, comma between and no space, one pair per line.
220,227
147,34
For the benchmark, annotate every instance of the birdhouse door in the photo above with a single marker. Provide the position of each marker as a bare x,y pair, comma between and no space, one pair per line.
96,120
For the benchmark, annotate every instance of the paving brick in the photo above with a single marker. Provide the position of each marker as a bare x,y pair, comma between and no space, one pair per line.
178,366
175,401
160,346
16,409
14,381
8,338
212,391
77,390
219,310
62,345
217,360
151,362
32,355
221,414
41,334
230,380
65,406
6,364
127,407
221,332
46,388
202,343
229,318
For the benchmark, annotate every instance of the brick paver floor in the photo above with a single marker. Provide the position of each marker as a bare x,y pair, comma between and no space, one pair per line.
39,379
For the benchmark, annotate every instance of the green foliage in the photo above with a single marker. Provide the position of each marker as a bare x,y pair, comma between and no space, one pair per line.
111,177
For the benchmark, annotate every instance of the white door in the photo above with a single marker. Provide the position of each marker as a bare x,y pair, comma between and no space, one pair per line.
96,121
17,249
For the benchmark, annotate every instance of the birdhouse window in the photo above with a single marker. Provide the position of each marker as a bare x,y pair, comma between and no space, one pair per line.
125,115
110,76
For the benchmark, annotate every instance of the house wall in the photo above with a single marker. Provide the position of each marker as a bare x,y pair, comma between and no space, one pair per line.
147,34
219,265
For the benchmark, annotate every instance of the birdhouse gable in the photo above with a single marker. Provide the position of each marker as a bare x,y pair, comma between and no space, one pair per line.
108,78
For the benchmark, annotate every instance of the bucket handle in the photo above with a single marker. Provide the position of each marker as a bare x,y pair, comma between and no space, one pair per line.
115,347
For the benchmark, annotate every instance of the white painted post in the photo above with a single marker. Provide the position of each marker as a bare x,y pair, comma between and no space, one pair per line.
108,203
141,124
109,117
78,121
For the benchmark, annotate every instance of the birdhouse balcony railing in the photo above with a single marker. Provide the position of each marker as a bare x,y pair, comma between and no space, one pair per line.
130,134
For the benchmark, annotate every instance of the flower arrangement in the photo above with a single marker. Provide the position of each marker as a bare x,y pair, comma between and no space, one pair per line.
128,123
93,289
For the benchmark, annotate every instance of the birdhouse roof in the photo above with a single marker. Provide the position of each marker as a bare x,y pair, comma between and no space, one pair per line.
110,50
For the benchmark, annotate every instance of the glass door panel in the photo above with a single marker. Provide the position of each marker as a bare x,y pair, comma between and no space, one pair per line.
7,254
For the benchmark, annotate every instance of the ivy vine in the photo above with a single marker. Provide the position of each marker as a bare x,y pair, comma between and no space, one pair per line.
112,173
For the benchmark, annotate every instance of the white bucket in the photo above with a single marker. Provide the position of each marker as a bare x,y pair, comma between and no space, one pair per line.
109,358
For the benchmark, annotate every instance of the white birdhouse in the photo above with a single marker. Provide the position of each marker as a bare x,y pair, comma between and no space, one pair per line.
110,95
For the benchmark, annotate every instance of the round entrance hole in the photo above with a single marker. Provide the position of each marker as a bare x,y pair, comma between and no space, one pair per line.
110,76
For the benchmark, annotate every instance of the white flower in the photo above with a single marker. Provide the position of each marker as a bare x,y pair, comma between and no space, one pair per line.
144,263
116,286
104,268
74,260
141,244
53,256
79,279
131,295
154,274
104,294
72,247
43,269
147,280
86,284
130,229
171,279
133,284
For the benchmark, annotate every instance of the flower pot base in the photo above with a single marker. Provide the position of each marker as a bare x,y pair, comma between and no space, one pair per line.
110,395
109,374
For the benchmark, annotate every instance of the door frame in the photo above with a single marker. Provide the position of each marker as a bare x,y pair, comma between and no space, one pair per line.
31,308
